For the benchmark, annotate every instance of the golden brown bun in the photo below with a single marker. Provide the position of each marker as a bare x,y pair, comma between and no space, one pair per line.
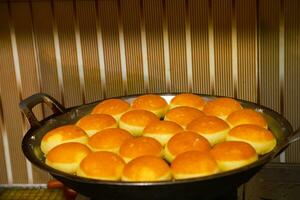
101,165
140,146
66,157
233,154
63,134
146,168
214,129
221,107
109,139
94,123
189,100
193,164
135,121
113,107
162,130
152,103
185,141
246,116
262,140
183,115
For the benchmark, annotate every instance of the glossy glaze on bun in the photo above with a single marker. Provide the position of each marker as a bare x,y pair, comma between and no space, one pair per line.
134,121
183,115
66,157
261,139
140,146
193,164
153,103
246,116
94,123
101,165
214,129
189,100
221,107
113,107
233,154
185,141
109,139
162,130
146,168
63,134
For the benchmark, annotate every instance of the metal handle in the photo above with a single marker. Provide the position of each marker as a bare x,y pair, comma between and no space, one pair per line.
295,136
27,104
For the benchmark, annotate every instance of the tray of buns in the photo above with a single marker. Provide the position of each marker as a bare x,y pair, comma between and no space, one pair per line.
166,142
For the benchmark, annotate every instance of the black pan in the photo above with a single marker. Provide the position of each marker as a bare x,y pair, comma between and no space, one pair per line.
204,188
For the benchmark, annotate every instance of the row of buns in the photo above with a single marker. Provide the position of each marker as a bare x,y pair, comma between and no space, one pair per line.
77,158
220,132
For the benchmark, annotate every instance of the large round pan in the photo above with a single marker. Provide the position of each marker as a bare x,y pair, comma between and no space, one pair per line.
205,188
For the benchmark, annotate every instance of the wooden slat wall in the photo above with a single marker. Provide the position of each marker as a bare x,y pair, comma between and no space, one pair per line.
109,23
245,11
153,17
175,17
222,29
82,51
29,78
68,62
199,14
292,70
10,98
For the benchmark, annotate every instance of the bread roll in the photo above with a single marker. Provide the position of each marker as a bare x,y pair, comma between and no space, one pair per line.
221,107
162,130
109,139
101,165
185,141
214,129
63,134
66,157
135,121
189,100
193,164
183,115
152,103
94,123
146,168
261,139
246,116
233,154
140,146
114,107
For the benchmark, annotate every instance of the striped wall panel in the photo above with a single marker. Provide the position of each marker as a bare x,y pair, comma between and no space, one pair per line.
222,33
153,18
67,61
109,23
10,97
199,17
268,61
245,64
175,17
85,50
29,75
47,52
130,13
88,51
292,70
3,153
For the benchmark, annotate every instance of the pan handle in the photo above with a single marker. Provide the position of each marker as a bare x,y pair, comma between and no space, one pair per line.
295,136
27,104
